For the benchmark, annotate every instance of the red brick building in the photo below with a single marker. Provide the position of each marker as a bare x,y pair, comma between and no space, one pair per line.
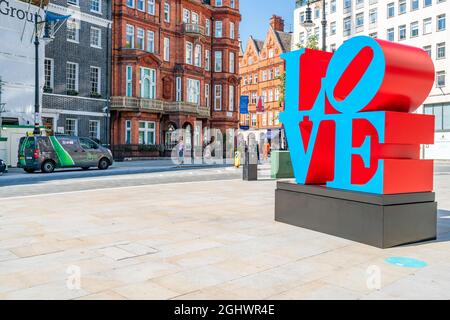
175,66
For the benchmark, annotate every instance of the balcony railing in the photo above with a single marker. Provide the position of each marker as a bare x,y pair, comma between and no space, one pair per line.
135,104
194,29
132,103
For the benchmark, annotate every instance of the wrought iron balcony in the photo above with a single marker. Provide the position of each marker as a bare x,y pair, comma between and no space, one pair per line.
132,103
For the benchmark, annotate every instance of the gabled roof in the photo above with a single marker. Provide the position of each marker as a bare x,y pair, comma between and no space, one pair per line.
285,40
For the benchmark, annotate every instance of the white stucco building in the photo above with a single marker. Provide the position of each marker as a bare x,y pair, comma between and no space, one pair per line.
420,23
17,63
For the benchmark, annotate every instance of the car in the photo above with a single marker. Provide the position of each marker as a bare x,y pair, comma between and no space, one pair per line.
3,167
47,153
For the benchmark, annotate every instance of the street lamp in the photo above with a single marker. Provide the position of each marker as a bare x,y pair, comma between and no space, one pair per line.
308,23
47,37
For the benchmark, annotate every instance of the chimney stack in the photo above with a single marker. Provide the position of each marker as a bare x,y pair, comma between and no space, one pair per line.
277,23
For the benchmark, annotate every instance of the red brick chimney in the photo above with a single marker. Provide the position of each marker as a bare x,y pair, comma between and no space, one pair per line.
277,23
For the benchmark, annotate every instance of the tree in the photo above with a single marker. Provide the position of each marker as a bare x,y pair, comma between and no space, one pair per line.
312,43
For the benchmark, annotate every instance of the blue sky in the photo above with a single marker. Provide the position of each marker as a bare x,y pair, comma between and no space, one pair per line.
256,15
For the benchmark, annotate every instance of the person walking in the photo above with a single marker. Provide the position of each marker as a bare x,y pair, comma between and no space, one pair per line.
181,152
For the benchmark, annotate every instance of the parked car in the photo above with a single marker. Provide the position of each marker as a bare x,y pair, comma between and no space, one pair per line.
46,153
3,167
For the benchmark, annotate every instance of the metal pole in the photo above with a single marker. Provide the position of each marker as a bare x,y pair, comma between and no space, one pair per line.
36,76
324,27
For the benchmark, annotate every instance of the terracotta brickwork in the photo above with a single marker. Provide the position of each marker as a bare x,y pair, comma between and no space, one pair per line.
260,69
164,67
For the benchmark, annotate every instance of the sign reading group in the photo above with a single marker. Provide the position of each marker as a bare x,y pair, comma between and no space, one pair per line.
349,121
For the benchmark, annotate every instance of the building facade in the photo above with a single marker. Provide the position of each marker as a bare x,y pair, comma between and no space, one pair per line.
17,69
175,66
261,70
77,69
419,23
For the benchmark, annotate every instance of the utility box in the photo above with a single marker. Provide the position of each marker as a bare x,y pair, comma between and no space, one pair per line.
281,165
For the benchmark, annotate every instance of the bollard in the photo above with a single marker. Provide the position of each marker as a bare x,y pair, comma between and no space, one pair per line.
250,168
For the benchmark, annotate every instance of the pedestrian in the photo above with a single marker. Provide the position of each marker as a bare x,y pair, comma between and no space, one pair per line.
180,152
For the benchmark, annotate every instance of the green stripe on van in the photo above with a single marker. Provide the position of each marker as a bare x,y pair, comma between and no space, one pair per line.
65,160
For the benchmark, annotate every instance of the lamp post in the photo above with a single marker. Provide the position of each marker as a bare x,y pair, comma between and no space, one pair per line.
308,23
37,17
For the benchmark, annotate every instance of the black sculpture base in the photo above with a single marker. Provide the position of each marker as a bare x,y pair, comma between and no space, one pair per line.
381,221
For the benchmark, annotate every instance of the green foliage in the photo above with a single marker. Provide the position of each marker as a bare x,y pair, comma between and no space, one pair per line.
282,87
312,43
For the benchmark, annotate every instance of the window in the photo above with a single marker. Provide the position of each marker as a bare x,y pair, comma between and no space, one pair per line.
166,12
150,41
414,29
302,36
71,76
48,72
277,94
218,61
207,102
195,18
128,132
151,7
140,38
316,12
390,34
232,4
347,26
270,96
71,127
186,16
414,5
140,5
360,20
130,3
232,62
166,49
333,6
219,3
96,6
373,16
390,10
264,75
148,83
264,119
129,86
218,33
402,32
427,26
147,132
441,114
440,22
130,37
198,55
207,60
427,3
402,7
254,98
94,129
193,91
427,49
218,97
347,5
73,31
208,27
440,50
254,120
230,98
95,75
189,52
178,86
440,79
96,37
232,35
332,31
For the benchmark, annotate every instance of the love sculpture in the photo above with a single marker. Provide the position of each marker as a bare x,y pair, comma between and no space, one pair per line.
355,141
349,121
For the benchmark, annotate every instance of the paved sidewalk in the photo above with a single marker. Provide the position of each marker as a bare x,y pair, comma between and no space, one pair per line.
198,240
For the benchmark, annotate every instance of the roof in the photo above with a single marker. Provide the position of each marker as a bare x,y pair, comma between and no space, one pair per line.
285,40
